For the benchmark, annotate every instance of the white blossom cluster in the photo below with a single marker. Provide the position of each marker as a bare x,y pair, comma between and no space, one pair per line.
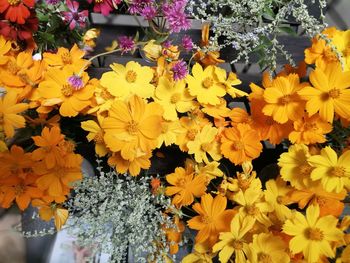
112,213
252,26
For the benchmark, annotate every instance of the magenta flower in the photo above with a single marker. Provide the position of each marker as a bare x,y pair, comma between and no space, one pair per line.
73,17
175,15
126,44
187,43
76,82
52,2
149,12
179,70
105,6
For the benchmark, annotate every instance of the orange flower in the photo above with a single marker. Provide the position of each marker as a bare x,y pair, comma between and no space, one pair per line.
212,218
49,150
310,130
240,144
282,100
63,87
47,211
65,58
140,161
17,11
21,190
185,186
132,127
15,163
96,135
174,235
5,47
9,118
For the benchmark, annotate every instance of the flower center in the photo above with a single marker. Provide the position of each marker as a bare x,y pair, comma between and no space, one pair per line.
252,210
237,146
314,234
207,82
334,93
66,58
99,138
99,1
338,171
165,127
12,67
305,169
106,95
132,128
264,258
14,2
269,121
206,147
19,189
67,90
286,99
330,56
131,76
279,199
238,245
191,134
181,182
310,126
175,98
206,219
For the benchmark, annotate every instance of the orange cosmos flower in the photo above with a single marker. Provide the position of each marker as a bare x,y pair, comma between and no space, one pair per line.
64,88
49,150
330,93
47,211
132,127
185,186
9,118
212,218
95,134
17,11
310,130
15,163
174,235
240,144
65,58
5,47
141,161
21,190
282,100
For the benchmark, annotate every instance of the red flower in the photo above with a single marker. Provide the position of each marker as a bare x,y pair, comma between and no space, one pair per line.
16,11
104,6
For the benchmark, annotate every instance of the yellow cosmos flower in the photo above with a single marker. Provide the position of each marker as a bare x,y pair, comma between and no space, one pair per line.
295,168
312,234
5,47
9,118
333,172
275,191
102,100
213,218
342,42
200,254
140,161
282,100
131,126
170,131
205,84
229,81
174,97
205,143
152,50
89,38
267,248
132,79
185,186
330,93
234,242
210,170
62,87
65,58
95,134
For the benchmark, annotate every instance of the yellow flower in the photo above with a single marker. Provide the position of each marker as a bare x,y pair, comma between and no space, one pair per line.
282,100
170,131
210,170
334,173
267,248
234,242
330,93
200,254
131,126
5,47
95,134
312,234
173,97
9,118
102,100
275,191
205,85
213,218
58,89
185,186
64,58
342,42
152,50
90,36
230,81
205,143
141,160
133,79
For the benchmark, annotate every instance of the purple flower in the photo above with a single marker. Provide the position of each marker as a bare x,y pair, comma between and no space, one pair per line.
52,2
187,43
176,16
76,82
126,43
180,70
149,12
167,44
73,17
137,6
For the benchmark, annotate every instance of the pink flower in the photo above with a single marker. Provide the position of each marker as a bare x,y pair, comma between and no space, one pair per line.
105,6
179,70
187,43
176,16
73,16
126,44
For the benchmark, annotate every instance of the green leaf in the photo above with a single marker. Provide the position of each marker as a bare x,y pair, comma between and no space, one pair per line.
269,14
288,30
